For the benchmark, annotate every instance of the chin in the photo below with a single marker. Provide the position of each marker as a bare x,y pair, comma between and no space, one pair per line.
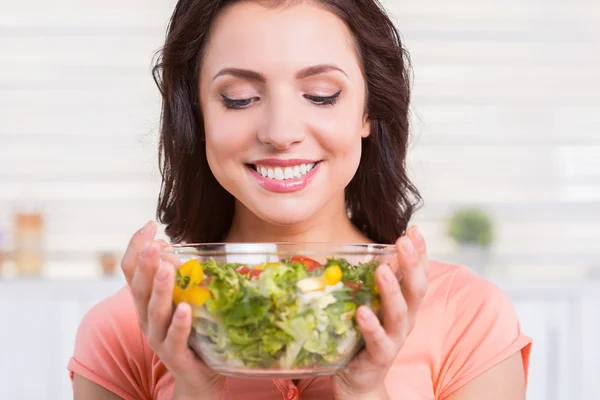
285,213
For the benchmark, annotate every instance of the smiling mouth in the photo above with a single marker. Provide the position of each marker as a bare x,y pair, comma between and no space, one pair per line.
283,173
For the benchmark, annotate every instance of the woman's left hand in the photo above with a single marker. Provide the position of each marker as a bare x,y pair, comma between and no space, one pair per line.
364,377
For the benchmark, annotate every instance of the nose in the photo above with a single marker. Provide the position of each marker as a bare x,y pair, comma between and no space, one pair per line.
282,126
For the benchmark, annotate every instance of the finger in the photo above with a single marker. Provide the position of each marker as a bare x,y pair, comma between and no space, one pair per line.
176,341
379,347
142,281
412,274
393,305
160,304
137,241
418,241
167,254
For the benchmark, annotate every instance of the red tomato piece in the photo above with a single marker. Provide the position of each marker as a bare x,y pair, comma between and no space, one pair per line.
242,270
353,285
255,273
309,263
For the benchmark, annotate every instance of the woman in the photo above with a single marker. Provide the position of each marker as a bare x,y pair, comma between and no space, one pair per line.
250,88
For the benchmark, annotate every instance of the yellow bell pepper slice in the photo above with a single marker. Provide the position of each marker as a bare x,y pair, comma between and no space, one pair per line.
264,266
333,274
178,294
196,295
375,304
193,270
375,289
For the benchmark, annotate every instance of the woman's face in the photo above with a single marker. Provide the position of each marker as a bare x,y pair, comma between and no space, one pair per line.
283,99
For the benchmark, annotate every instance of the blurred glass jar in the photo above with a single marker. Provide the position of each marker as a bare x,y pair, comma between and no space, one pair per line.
108,262
28,249
2,252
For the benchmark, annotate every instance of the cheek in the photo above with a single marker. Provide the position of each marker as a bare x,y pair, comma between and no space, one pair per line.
223,148
227,135
340,137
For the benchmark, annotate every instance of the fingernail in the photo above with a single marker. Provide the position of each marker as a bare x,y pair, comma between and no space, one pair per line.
180,312
408,248
415,234
145,227
162,273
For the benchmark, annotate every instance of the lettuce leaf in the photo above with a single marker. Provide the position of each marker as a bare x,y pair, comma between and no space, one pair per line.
266,322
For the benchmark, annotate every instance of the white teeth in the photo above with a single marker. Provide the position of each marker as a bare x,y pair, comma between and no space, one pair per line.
288,172
297,171
279,174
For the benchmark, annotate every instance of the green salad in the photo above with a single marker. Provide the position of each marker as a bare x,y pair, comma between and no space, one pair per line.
294,313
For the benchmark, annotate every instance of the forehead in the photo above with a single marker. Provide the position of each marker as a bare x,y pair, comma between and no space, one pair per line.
253,35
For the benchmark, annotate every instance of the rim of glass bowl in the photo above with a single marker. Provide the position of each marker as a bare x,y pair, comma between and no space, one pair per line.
281,249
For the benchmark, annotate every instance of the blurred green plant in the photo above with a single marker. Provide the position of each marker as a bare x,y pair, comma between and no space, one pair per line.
471,226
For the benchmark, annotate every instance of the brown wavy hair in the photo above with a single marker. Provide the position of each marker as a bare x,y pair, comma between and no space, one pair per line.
194,207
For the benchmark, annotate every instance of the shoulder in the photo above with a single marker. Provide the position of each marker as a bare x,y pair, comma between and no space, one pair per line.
457,289
469,302
110,349
480,325
114,319
464,294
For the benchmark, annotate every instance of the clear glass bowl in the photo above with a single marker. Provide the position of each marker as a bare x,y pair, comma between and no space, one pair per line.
277,310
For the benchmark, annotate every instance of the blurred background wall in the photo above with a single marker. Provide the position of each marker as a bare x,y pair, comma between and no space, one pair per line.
505,117
506,122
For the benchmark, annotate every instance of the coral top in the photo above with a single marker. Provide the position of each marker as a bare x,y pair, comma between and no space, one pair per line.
465,326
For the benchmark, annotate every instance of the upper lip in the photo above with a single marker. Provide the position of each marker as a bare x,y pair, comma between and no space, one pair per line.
278,162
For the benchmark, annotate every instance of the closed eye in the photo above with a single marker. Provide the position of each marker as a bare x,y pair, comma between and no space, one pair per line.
324,100
236,104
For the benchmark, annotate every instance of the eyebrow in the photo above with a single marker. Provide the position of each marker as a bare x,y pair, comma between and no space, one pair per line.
258,77
318,69
241,73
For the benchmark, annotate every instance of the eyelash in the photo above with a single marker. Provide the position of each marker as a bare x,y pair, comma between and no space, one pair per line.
237,104
324,100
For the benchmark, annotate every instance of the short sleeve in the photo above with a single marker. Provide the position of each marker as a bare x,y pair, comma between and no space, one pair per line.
481,330
109,348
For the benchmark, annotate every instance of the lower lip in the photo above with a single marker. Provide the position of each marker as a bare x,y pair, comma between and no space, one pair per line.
286,185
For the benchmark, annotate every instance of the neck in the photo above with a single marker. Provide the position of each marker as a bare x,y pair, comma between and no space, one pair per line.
327,226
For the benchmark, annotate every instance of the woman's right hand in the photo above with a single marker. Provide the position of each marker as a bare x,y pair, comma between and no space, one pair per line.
151,281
